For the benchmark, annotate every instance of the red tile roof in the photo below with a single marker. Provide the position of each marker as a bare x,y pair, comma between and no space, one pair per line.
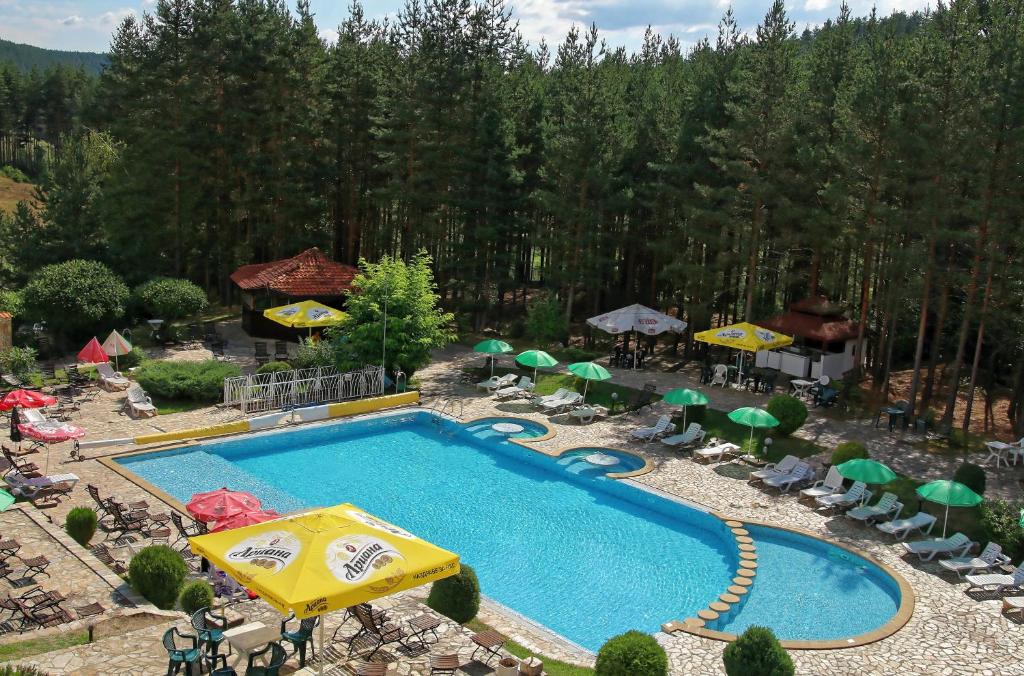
310,273
812,327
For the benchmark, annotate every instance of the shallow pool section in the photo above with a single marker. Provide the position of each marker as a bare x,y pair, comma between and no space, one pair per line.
808,589
554,539
600,460
482,428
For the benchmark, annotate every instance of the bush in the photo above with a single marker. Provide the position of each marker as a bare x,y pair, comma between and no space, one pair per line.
631,654
849,450
157,573
458,596
169,299
13,173
131,360
1001,522
81,525
201,381
274,367
195,595
21,361
545,321
574,354
312,354
20,670
757,651
76,298
972,476
790,412
11,301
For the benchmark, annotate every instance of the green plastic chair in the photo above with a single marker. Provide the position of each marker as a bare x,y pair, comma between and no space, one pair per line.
181,657
278,655
300,637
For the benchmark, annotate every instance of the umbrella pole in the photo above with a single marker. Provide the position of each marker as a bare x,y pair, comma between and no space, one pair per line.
636,339
751,442
684,418
945,521
320,670
586,384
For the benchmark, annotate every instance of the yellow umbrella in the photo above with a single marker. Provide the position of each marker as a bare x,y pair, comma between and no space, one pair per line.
745,337
326,559
305,315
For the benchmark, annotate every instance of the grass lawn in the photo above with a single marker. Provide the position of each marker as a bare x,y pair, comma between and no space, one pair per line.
717,424
598,392
168,406
37,646
551,667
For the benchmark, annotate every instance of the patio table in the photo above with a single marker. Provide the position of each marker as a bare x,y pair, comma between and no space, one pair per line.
491,641
507,428
801,387
1000,450
247,638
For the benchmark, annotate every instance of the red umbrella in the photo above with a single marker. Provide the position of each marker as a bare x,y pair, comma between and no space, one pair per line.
245,519
220,504
51,434
26,399
93,353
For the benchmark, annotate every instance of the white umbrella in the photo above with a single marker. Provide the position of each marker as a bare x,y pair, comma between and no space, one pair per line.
116,346
639,318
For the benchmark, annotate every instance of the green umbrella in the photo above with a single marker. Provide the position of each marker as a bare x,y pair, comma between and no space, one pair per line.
950,494
536,359
753,417
492,347
588,370
6,500
684,397
868,471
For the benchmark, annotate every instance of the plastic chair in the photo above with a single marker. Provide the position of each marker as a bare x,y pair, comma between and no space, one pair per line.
181,657
210,629
300,637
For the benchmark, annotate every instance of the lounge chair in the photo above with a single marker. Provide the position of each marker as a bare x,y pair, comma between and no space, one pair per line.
137,403
542,399
1013,604
648,434
956,544
800,474
524,387
922,522
990,557
997,582
39,488
694,434
831,484
570,399
587,413
720,375
111,380
784,466
495,383
887,507
715,451
858,494
375,632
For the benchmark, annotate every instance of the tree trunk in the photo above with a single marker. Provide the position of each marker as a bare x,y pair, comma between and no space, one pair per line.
977,349
922,327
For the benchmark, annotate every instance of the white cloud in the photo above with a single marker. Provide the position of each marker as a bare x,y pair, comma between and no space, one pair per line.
148,3
73,20
114,17
817,5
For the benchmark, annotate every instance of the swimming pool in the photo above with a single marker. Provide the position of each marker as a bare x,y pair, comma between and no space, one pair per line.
551,538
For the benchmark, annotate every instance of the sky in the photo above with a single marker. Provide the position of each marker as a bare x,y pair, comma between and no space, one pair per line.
86,25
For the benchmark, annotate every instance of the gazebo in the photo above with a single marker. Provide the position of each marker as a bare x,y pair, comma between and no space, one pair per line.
824,339
310,275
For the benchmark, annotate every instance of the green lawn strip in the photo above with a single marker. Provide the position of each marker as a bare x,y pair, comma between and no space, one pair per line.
168,406
38,646
717,424
551,667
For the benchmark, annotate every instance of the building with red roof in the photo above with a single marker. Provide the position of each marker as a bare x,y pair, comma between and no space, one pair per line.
310,275
824,339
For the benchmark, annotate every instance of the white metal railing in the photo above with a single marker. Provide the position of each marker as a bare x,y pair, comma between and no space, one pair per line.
301,387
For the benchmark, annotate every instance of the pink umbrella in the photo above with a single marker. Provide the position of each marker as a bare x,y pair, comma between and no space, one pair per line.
26,399
245,519
93,353
220,504
51,434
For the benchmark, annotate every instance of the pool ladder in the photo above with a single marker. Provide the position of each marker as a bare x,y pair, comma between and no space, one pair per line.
447,406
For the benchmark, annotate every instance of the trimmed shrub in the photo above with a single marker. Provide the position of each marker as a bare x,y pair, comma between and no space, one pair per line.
312,353
76,298
757,651
81,525
201,381
10,301
458,596
545,321
849,450
574,354
631,654
169,299
790,412
972,476
130,360
157,572
195,595
21,361
274,367
1001,522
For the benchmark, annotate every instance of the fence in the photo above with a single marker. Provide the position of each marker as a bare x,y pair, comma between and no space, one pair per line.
303,387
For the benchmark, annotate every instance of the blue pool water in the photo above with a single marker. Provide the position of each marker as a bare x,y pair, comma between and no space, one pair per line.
554,539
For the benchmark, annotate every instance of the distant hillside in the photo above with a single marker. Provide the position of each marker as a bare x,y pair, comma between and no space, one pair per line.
28,57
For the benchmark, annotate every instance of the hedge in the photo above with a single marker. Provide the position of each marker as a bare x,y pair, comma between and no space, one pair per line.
849,450
157,572
81,525
631,654
458,596
757,651
166,298
789,411
195,595
194,380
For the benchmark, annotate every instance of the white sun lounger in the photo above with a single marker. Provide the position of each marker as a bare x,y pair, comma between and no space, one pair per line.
715,452
858,494
887,507
801,473
1013,604
989,558
111,380
784,466
663,426
495,383
524,387
137,403
922,522
30,487
831,484
694,434
569,399
956,544
997,582
558,394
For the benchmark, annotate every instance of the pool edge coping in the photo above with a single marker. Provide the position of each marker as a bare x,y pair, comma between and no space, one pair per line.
895,623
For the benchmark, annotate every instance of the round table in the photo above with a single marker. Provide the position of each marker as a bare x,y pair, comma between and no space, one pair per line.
507,428
602,459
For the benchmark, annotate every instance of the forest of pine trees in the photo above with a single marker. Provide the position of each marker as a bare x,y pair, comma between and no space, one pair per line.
875,160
